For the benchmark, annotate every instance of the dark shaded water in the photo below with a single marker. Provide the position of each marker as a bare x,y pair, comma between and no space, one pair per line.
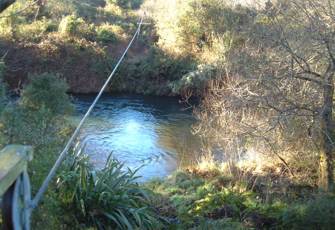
152,132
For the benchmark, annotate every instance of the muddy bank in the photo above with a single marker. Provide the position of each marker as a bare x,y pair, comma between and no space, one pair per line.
85,65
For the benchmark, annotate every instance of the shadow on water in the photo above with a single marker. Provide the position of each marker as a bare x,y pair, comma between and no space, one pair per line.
147,131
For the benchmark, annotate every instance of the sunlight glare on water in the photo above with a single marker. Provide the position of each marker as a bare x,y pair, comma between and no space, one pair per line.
151,132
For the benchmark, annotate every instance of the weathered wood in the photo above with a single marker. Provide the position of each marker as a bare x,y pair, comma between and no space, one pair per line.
5,3
13,161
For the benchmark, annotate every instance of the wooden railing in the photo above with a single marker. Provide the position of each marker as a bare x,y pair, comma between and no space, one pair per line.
15,186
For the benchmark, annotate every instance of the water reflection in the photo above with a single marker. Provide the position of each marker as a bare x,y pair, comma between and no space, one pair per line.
149,131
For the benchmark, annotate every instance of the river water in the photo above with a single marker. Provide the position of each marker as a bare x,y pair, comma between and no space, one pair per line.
153,133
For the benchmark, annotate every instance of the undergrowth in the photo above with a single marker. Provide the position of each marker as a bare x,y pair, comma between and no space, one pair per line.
108,197
191,199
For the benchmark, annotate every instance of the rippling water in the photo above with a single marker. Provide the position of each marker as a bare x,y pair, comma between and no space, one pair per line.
152,132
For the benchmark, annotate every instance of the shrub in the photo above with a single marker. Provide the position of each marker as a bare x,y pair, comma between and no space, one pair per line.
315,214
110,33
69,25
113,9
38,128
128,4
72,25
47,91
13,22
38,117
6,30
109,197
195,81
155,67
34,30
105,33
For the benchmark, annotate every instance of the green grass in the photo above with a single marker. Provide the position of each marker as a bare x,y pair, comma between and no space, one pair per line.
191,200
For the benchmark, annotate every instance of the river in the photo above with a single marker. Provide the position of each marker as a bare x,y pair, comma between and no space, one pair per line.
153,133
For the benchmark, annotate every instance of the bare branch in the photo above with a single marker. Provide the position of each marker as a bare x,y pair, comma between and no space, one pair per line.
21,10
303,76
329,50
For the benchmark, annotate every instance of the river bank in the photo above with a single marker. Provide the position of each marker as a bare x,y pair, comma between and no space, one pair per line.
204,195
85,65
264,75
84,46
194,198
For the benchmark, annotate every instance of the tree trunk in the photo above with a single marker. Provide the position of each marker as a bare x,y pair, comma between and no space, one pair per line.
326,179
5,3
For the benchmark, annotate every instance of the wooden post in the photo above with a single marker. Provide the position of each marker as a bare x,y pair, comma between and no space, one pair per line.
15,186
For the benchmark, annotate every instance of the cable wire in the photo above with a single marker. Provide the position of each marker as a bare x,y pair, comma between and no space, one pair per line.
63,154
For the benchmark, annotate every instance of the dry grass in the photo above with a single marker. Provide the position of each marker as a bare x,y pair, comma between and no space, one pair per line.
267,176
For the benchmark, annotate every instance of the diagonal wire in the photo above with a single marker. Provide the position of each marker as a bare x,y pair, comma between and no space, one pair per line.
63,154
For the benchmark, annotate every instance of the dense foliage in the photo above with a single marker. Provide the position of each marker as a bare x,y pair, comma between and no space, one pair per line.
210,200
262,75
38,117
133,4
265,76
135,74
109,197
82,40
46,91
263,72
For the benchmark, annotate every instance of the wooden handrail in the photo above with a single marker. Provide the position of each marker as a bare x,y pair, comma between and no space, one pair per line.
13,161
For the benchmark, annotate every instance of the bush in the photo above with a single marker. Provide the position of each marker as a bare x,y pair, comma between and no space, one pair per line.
110,33
155,67
38,117
315,214
46,91
113,9
74,26
109,197
37,128
69,25
34,30
196,81
128,4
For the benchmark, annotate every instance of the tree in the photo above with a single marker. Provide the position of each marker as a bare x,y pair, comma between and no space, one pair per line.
40,7
4,4
47,91
275,88
312,58
38,118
